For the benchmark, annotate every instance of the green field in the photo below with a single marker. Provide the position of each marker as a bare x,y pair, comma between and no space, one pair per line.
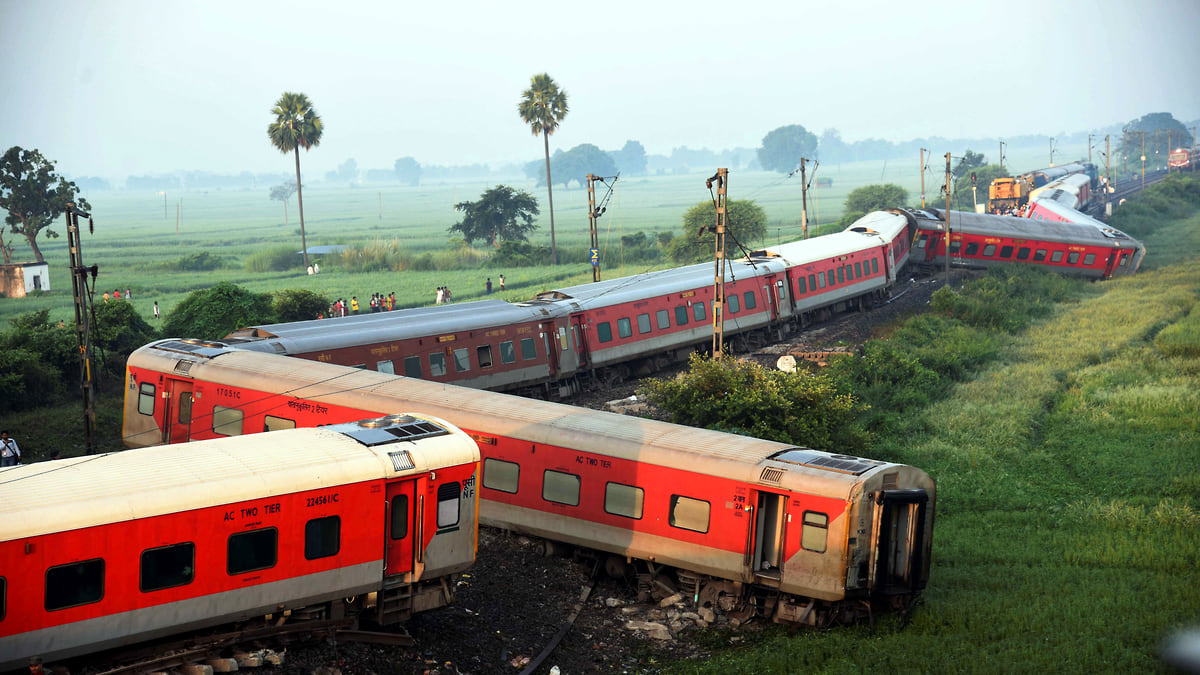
134,236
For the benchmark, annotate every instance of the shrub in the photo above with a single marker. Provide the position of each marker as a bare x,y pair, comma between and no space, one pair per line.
299,305
213,313
197,262
520,254
119,330
745,398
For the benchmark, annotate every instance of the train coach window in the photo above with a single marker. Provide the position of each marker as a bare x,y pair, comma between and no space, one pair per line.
858,271
624,500
624,327
874,266
681,318
412,366
955,246
1057,256
1023,253
462,360
689,514
989,250
662,319
437,364
841,275
698,312
1006,251
1072,257
399,516
250,551
1089,259
75,584
812,534
322,537
972,248
507,353
528,349
272,423
386,367
227,421
604,331
483,354
146,398
820,281
560,488
750,303
447,504
1039,255
801,286
167,567
3,597
501,475
643,323
830,277
732,302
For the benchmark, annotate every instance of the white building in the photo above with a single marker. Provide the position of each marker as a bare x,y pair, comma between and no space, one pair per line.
20,279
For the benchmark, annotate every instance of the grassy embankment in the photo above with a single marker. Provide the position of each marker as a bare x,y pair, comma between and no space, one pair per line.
1068,524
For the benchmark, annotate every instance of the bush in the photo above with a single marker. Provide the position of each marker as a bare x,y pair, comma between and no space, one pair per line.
377,256
197,262
213,313
35,357
118,331
745,398
275,259
1174,198
299,305
520,254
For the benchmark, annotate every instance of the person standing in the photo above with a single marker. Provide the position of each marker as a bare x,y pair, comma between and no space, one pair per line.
354,304
10,453
155,310
489,286
501,282
128,293
441,296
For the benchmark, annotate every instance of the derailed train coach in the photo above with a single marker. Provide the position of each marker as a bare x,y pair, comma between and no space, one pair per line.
735,523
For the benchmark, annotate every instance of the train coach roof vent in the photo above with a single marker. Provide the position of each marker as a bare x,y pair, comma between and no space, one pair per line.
196,347
1114,234
388,430
840,463
401,460
183,367
771,475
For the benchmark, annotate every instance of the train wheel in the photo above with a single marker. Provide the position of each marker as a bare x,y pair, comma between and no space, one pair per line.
663,586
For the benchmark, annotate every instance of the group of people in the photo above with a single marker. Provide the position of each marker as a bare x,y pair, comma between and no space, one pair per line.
1011,211
378,303
442,296
116,295
488,285
314,269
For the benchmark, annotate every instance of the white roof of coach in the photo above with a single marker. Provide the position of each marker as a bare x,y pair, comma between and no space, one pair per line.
74,493
1087,230
602,433
827,246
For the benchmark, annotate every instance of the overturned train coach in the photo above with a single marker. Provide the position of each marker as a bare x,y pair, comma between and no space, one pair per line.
363,520
735,523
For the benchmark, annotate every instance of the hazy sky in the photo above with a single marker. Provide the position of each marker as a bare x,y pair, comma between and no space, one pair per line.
118,87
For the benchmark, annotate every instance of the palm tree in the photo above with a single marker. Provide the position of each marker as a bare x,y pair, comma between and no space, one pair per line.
542,107
296,126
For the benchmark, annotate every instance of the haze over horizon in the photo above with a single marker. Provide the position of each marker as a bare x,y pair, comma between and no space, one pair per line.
126,87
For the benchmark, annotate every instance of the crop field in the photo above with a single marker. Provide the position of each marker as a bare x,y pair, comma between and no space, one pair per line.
137,235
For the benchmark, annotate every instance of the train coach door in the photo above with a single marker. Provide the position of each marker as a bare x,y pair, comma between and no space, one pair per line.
900,528
1111,266
578,330
403,527
549,338
768,535
177,410
772,291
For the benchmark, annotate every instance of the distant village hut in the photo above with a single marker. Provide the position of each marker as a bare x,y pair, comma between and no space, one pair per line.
20,279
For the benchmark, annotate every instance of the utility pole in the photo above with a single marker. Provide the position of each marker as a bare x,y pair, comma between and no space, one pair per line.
722,180
595,252
1143,160
948,189
1089,148
1051,152
177,206
923,173
1107,174
79,288
381,204
1002,144
803,201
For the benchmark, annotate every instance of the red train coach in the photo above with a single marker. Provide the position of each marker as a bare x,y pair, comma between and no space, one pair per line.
362,519
795,534
629,324
984,240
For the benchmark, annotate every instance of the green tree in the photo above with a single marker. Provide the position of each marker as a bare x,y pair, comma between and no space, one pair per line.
971,160
297,125
299,305
408,171
282,193
119,330
213,313
867,198
984,175
782,148
745,224
500,213
36,357
1161,132
34,196
743,397
630,159
543,106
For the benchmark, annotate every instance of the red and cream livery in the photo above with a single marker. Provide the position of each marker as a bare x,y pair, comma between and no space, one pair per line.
361,519
795,534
